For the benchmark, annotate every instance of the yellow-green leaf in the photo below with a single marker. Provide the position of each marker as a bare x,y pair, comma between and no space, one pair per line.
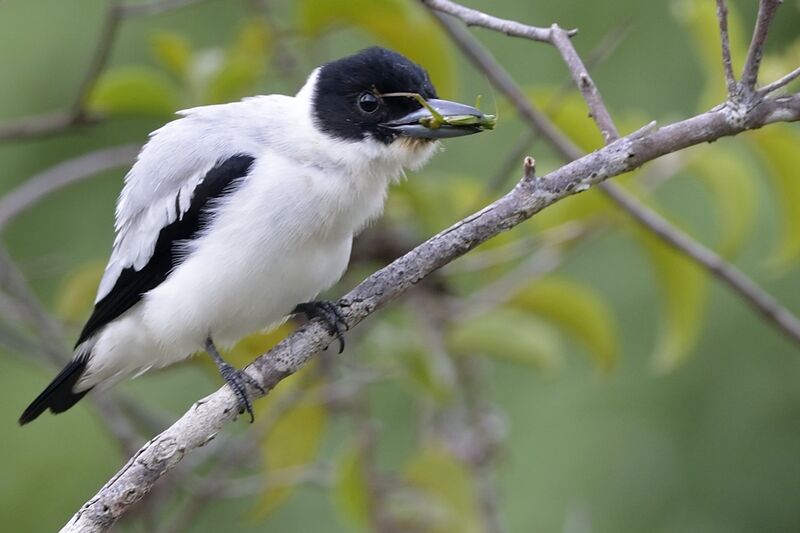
734,193
294,440
684,298
173,51
398,345
350,491
509,335
447,486
404,26
134,90
436,202
578,311
244,64
76,294
779,148
250,347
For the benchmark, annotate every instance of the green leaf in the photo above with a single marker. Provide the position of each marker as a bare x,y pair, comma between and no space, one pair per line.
295,438
244,65
700,19
350,491
569,112
249,348
731,180
447,486
399,24
508,335
779,148
75,296
684,298
173,51
134,90
578,311
397,341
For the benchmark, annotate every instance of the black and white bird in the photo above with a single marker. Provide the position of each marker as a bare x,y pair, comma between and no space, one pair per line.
236,216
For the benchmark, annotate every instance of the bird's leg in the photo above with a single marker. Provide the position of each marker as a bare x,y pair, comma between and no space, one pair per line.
329,313
237,380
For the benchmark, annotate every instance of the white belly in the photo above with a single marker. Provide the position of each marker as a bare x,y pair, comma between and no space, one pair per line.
272,244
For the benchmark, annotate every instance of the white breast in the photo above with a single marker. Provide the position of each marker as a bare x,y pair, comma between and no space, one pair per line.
279,240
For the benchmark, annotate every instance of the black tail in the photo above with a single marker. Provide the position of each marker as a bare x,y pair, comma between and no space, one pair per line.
58,396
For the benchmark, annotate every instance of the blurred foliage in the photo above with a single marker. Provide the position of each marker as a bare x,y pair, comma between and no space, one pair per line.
583,428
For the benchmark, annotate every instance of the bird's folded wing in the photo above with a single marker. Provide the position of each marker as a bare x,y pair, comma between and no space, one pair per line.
164,202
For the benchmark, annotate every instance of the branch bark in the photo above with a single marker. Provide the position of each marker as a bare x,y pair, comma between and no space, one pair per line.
767,306
208,416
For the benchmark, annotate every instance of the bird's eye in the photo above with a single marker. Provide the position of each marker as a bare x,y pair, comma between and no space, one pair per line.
368,102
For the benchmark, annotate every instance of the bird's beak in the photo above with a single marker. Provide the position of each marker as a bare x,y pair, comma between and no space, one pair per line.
453,120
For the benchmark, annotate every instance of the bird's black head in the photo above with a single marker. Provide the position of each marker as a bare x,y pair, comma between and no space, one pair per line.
350,102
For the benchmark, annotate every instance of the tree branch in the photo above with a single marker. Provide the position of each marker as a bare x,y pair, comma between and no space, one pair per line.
473,17
767,306
777,84
208,416
77,114
727,63
766,13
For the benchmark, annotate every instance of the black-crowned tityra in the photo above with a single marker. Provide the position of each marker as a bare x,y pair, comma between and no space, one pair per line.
235,216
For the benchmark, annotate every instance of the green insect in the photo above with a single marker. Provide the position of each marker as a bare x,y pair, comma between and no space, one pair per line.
437,120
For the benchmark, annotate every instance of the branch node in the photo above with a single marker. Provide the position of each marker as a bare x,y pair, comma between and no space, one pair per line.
529,168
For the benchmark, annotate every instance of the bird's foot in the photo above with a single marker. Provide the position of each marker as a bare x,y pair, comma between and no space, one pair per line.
237,380
329,313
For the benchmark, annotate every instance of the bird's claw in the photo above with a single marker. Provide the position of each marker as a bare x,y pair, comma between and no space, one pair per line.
331,316
238,380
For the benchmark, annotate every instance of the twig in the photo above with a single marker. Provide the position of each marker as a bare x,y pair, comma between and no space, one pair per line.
61,175
153,7
597,56
727,63
584,83
777,84
99,60
473,17
753,295
208,416
40,126
766,13
77,114
506,84
53,347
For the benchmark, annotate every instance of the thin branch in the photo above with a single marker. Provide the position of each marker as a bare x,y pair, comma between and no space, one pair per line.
41,126
55,178
473,17
77,114
153,7
753,295
209,415
727,63
766,13
777,84
585,84
501,79
99,60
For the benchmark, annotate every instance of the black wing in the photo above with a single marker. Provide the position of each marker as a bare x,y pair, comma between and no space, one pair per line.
132,284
